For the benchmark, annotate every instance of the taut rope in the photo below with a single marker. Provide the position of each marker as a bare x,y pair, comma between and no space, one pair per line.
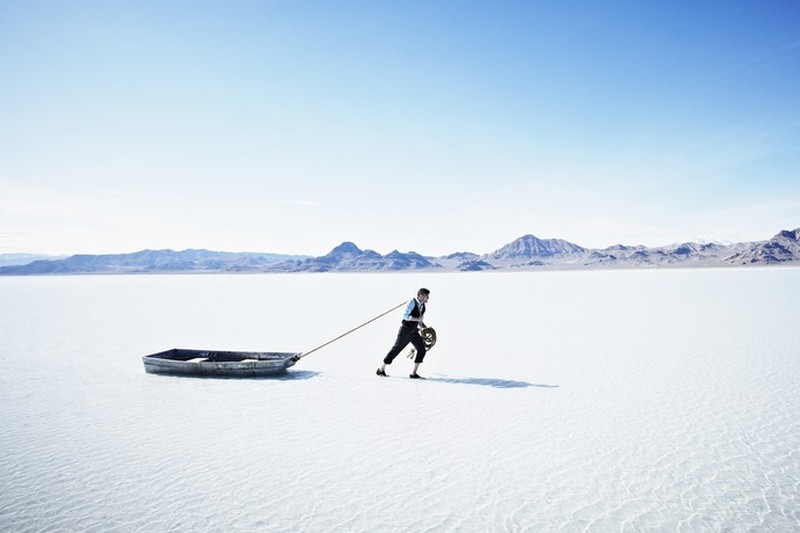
297,358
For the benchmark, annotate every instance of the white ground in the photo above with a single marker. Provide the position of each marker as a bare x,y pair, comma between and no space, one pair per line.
599,401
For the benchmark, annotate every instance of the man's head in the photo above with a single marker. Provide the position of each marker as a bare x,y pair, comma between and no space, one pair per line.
423,295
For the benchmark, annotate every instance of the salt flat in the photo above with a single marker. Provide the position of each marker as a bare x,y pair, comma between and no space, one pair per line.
577,401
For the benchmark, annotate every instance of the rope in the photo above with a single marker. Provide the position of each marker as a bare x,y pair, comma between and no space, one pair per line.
428,339
297,358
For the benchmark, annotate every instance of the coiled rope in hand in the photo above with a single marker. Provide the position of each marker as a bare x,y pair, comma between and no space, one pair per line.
428,338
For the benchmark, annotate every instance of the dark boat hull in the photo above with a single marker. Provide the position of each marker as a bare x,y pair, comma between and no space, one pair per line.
212,363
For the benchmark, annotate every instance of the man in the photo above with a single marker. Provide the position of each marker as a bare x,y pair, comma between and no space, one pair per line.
409,332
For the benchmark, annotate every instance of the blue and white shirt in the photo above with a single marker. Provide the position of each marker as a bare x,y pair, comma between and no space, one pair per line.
410,309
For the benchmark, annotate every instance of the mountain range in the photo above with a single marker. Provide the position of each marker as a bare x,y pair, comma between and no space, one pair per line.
526,253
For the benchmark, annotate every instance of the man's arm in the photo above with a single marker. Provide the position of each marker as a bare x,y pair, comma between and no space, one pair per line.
407,315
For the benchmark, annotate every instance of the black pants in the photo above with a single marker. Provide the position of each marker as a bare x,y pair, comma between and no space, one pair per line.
408,333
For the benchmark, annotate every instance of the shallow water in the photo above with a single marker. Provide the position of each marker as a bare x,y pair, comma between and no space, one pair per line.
622,400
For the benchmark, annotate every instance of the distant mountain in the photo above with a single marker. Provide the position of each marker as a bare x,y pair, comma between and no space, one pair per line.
526,253
349,257
783,247
683,254
461,256
531,251
149,261
475,265
24,259
530,246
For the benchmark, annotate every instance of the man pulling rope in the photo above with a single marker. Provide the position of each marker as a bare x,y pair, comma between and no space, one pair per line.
409,332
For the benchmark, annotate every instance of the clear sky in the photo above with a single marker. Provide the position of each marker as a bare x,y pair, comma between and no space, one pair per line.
432,126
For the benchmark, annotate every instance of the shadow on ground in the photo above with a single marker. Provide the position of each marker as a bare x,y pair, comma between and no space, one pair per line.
291,375
296,375
488,382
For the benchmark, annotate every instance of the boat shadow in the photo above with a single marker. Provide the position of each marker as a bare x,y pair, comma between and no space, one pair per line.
295,375
298,375
490,382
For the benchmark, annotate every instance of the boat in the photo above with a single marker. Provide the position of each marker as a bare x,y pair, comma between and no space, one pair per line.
185,362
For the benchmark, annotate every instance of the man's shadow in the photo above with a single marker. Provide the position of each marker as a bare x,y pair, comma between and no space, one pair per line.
488,382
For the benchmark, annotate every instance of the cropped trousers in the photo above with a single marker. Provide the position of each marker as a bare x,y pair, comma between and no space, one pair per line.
408,333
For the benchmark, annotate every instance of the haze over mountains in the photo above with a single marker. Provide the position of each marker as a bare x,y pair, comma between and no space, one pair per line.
526,253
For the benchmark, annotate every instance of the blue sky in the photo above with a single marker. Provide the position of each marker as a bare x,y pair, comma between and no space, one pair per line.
428,126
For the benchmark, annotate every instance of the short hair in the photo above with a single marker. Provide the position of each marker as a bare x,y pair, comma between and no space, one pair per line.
424,291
